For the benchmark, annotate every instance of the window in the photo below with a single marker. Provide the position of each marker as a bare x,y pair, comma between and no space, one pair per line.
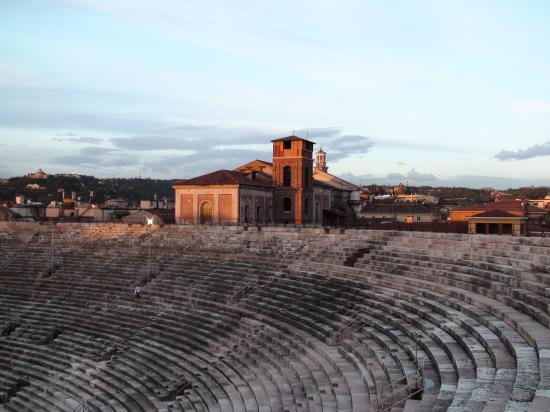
287,176
287,144
287,206
306,177
418,218
306,207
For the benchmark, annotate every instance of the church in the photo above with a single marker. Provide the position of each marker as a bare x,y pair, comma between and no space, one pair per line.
290,189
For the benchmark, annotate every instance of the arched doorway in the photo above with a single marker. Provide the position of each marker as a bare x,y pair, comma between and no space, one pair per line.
206,213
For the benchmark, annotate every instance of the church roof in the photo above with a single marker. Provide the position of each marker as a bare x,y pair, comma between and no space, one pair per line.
292,137
222,177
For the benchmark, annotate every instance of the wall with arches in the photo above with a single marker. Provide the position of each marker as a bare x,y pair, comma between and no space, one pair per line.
223,205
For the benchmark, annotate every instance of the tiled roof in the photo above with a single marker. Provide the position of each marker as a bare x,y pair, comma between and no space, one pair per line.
496,213
222,177
281,139
507,205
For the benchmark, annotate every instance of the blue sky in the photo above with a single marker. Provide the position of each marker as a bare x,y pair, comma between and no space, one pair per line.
433,92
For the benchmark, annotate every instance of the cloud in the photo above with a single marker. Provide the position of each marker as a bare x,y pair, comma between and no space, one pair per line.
97,157
202,162
473,181
535,106
97,151
74,138
318,132
412,176
96,162
537,150
156,143
421,177
348,145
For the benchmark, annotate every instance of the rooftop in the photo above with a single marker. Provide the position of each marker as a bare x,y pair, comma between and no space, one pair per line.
292,137
496,213
398,208
507,205
222,177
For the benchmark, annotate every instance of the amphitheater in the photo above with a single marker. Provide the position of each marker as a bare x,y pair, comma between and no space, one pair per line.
271,319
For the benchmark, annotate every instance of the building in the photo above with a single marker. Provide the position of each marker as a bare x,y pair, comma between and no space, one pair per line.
541,203
224,197
286,190
29,212
142,217
401,212
39,174
497,222
515,207
163,203
417,198
116,203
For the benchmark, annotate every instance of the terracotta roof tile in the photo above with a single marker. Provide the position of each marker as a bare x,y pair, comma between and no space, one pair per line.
281,139
222,177
507,205
496,213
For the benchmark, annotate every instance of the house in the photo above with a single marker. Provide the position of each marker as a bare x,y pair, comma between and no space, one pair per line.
116,203
497,222
515,207
417,198
401,212
286,190
541,203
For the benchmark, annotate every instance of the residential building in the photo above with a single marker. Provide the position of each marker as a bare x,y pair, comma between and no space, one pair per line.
514,207
401,212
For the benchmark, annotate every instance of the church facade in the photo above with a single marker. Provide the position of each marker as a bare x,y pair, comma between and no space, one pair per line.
290,189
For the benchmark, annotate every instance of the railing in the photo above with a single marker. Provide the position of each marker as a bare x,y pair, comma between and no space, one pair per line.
538,230
440,227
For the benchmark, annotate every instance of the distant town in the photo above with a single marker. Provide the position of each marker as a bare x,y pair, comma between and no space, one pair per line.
40,196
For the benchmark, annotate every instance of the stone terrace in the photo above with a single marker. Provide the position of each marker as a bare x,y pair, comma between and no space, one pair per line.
276,319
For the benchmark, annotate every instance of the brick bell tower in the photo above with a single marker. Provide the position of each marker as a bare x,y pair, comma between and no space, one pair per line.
293,180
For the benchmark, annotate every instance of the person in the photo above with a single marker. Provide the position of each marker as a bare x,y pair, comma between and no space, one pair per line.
137,292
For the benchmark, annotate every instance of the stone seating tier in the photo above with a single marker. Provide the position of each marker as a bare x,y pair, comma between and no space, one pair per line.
235,318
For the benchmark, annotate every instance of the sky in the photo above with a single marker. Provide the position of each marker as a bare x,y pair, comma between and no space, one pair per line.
424,92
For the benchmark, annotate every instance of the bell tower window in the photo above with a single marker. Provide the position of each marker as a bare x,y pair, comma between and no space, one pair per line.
287,176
